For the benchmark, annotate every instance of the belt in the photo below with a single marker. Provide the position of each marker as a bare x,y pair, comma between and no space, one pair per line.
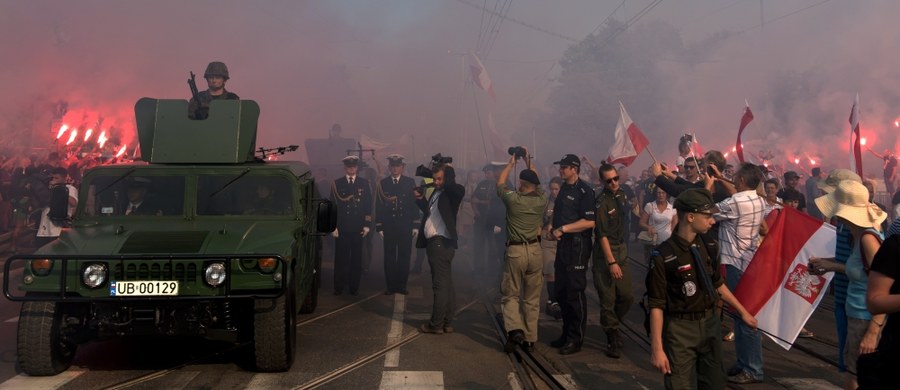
691,316
529,242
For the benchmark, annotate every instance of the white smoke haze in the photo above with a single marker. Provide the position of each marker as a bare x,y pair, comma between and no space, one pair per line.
393,68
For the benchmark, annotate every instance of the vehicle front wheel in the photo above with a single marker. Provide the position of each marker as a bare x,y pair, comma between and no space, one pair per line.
275,333
42,349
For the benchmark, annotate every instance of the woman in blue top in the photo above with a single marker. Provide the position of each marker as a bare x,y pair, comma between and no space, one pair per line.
849,203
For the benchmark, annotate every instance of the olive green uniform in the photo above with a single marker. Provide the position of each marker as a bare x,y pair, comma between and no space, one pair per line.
523,274
200,109
616,295
690,334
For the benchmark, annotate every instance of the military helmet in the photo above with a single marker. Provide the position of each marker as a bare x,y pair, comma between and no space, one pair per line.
216,68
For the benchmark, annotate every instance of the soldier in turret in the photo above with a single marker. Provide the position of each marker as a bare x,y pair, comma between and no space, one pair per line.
353,198
216,75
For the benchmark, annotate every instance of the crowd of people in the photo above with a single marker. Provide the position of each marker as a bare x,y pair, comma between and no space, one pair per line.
700,225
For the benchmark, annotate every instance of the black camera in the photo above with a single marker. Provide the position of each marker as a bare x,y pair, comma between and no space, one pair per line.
423,171
438,159
517,151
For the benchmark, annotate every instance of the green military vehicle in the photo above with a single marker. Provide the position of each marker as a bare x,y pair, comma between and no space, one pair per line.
203,238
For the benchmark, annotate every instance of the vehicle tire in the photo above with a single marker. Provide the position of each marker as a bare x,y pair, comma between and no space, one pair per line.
312,296
41,349
275,332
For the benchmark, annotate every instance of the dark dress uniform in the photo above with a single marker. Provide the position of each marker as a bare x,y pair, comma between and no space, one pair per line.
354,205
616,295
397,216
573,251
682,281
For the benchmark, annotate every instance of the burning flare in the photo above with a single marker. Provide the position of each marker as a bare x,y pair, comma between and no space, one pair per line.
62,130
797,161
121,151
72,136
87,134
101,140
862,141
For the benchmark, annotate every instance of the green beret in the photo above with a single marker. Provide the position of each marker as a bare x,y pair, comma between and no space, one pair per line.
694,200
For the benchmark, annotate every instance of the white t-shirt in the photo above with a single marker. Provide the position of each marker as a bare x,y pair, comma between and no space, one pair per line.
661,221
47,227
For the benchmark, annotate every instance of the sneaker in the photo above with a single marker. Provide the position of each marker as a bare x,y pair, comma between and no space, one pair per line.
743,378
426,328
806,334
728,336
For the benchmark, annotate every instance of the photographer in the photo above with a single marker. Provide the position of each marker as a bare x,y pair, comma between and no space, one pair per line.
439,239
50,229
523,262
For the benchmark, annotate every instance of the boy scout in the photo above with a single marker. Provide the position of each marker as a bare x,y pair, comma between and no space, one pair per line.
683,287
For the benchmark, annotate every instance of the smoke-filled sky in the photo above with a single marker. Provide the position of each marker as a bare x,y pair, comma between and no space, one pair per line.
390,68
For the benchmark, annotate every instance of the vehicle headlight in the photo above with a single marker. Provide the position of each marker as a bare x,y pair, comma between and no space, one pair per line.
215,274
94,275
41,267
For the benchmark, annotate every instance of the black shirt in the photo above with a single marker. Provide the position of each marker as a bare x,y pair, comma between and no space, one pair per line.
574,202
887,263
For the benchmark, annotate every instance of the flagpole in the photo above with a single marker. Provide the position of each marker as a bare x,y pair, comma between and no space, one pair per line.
651,154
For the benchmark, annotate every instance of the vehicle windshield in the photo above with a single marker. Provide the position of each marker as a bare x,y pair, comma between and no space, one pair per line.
134,195
221,194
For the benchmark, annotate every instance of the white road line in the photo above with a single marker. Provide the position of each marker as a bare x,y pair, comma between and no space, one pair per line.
412,380
392,358
40,382
14,319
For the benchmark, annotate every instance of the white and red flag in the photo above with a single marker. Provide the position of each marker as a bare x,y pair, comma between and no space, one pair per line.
776,287
745,120
630,141
481,78
855,152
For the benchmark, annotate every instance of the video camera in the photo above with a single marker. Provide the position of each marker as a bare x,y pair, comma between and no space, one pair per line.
436,161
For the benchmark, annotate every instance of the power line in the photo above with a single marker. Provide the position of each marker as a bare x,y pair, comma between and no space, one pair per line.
770,21
608,17
521,23
496,30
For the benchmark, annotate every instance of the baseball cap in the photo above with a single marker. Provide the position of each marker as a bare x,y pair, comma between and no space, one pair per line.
569,160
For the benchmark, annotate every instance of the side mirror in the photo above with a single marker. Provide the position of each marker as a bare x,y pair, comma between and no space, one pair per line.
59,204
326,216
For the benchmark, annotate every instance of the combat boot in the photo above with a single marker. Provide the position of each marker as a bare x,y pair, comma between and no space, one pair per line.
613,344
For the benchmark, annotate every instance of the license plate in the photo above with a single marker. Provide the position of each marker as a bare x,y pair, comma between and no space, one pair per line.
143,288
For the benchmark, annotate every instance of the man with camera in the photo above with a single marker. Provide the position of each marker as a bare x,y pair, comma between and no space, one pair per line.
51,226
573,220
523,262
438,237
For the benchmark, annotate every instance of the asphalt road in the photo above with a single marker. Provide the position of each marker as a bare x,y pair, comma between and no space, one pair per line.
347,344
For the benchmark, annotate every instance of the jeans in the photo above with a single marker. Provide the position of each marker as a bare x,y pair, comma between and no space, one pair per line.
747,342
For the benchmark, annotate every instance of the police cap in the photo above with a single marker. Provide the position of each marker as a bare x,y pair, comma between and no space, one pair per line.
694,200
569,160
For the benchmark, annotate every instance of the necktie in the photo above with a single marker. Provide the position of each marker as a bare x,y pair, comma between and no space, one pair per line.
395,181
351,180
701,273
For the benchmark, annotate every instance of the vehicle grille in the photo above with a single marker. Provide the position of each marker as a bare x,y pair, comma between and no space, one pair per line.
156,270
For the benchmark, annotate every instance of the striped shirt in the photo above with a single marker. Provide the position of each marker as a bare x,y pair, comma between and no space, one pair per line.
739,217
842,249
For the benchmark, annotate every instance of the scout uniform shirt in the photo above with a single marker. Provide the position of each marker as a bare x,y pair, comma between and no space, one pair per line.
612,211
674,282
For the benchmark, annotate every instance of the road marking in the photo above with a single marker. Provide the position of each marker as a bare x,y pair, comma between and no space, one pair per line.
411,380
14,319
806,383
513,381
40,382
392,358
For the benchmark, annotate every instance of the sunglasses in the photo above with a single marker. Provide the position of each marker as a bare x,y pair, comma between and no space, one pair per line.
612,179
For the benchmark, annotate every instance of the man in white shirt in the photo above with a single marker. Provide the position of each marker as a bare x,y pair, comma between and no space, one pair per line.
740,218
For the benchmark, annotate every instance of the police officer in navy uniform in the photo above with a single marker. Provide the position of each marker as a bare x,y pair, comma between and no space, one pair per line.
353,198
397,221
573,220
683,286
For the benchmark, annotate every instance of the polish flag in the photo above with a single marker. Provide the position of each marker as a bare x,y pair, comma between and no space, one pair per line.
745,120
481,78
855,151
630,141
776,287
